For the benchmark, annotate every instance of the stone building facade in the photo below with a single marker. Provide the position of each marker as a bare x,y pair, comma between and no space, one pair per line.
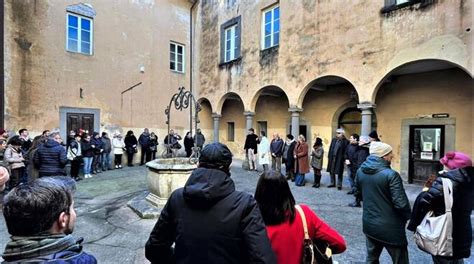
403,68
97,65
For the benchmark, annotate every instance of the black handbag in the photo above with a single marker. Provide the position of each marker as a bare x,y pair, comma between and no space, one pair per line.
314,252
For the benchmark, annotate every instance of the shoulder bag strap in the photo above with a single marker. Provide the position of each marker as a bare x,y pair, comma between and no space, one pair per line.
303,219
448,194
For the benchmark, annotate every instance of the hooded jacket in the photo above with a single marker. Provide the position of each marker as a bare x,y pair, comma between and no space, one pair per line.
209,222
463,196
50,158
386,208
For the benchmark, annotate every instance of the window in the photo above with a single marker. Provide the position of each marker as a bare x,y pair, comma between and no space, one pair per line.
230,40
398,2
271,27
230,131
230,47
176,57
262,126
79,34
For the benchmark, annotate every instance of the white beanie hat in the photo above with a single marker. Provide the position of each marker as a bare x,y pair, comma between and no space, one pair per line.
379,149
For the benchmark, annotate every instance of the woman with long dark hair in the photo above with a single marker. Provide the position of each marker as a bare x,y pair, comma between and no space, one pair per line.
317,161
284,224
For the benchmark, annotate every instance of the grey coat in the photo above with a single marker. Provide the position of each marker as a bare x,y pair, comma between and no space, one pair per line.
317,158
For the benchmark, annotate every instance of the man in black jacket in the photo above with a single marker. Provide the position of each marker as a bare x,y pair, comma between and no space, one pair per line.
336,153
208,220
51,158
251,142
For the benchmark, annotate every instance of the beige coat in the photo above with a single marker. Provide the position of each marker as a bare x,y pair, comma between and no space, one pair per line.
14,158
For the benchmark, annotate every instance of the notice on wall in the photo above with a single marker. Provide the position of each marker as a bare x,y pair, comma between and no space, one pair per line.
426,155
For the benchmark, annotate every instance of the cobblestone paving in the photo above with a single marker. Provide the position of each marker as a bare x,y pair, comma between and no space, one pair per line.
114,234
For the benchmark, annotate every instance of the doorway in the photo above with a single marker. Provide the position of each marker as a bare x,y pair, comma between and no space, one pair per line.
426,148
76,121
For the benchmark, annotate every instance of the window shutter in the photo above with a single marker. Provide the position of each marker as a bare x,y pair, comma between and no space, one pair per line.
222,59
239,39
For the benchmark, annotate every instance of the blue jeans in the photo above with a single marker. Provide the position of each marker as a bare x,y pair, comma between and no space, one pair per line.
299,179
87,164
105,161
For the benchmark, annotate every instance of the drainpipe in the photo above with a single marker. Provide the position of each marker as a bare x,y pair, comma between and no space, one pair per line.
191,63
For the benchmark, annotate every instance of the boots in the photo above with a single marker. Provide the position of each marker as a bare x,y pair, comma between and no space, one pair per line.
356,203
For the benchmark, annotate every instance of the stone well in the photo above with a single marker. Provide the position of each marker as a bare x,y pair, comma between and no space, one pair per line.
165,176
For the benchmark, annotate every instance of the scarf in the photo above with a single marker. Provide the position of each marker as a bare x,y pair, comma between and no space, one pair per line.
42,245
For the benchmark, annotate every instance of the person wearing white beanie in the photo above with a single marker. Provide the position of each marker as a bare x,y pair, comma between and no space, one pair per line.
379,149
385,205
4,177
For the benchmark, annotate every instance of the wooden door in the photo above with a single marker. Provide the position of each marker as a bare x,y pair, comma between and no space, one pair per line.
426,149
76,121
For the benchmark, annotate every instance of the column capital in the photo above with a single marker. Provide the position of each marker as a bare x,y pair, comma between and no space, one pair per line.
366,106
249,113
295,110
216,115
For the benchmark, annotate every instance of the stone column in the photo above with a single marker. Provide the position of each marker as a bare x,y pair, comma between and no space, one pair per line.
295,121
216,118
366,126
248,125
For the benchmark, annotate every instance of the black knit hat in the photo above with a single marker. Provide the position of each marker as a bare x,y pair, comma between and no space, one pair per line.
374,135
216,156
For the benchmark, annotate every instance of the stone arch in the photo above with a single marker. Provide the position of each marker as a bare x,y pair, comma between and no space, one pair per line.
229,95
322,83
416,66
270,89
205,100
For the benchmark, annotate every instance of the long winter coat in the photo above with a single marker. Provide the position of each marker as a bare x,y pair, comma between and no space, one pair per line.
463,197
264,151
209,222
290,159
51,159
130,143
385,208
302,160
317,155
336,155
118,145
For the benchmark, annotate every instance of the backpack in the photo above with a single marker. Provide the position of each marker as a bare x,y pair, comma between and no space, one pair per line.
435,233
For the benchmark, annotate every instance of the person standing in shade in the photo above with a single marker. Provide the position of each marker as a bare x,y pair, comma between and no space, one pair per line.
336,153
144,140
130,146
51,157
74,155
350,157
276,149
385,208
107,146
264,151
98,146
118,146
317,154
360,156
87,155
188,144
25,139
251,142
14,158
290,145
199,138
153,145
301,160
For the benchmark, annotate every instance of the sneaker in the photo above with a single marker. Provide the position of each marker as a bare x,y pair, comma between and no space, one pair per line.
331,186
116,166
120,166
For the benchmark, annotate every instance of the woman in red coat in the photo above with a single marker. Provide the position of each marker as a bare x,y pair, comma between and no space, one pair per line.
301,160
284,225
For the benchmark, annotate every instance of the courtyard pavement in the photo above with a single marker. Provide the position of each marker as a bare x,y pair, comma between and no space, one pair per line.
115,234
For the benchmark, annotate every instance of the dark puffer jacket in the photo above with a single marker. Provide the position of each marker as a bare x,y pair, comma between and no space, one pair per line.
463,196
386,208
50,158
209,222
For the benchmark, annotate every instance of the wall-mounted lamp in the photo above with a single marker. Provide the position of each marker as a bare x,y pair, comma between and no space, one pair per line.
142,69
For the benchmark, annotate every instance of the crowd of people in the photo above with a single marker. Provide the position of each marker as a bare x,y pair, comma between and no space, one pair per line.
47,154
209,221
